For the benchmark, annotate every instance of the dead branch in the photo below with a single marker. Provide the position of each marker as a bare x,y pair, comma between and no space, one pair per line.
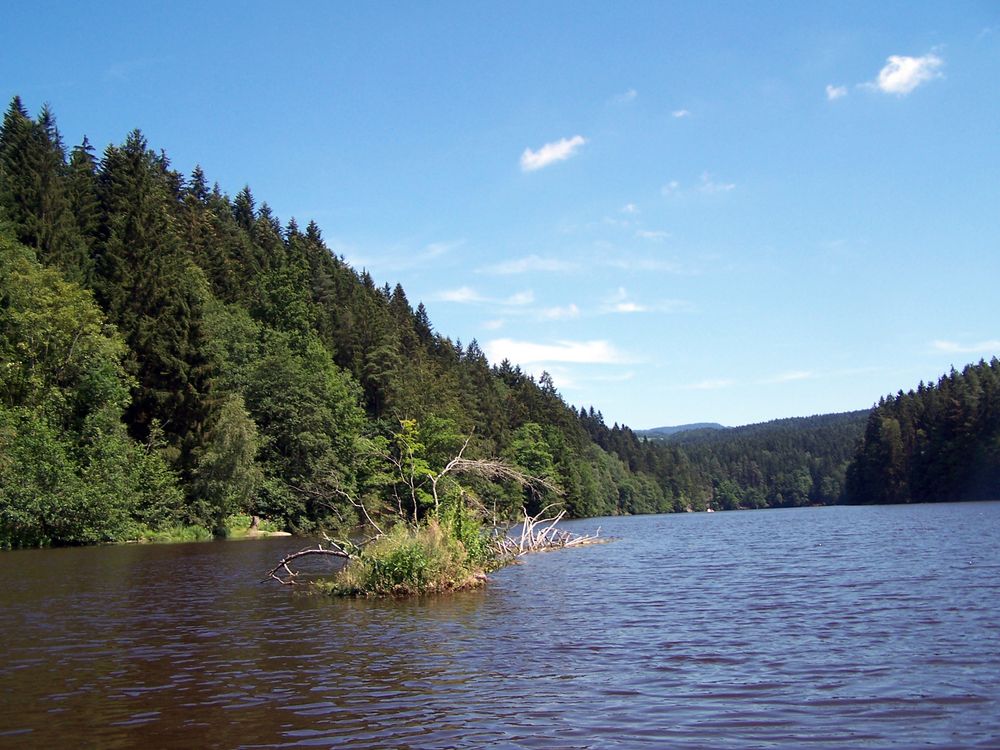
539,534
323,496
336,549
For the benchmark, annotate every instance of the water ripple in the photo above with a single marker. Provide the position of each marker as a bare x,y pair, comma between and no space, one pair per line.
868,627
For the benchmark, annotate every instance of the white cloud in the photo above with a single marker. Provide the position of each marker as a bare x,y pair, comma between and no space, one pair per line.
648,234
902,74
567,312
578,352
643,264
437,249
621,302
954,347
628,307
705,185
708,185
519,299
550,153
467,295
626,96
835,92
680,113
630,208
530,264
493,325
462,295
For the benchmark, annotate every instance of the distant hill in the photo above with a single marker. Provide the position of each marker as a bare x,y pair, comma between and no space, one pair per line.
663,432
854,420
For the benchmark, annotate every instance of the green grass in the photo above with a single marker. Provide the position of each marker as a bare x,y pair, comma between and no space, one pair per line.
237,526
178,533
409,561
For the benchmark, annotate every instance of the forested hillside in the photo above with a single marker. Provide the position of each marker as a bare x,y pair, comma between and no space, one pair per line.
782,463
940,442
169,354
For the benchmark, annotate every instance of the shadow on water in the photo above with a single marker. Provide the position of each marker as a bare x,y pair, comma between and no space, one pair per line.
874,627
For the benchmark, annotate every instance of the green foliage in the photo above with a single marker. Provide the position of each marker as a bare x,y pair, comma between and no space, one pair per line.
172,534
408,560
172,355
69,473
227,477
782,463
940,442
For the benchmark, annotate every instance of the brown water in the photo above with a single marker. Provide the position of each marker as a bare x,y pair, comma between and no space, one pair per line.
823,628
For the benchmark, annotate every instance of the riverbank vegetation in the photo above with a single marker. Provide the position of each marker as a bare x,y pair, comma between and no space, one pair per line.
171,355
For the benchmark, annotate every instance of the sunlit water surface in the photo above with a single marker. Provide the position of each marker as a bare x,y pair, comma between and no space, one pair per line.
865,627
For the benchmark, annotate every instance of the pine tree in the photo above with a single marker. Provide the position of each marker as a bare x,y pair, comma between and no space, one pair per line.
154,292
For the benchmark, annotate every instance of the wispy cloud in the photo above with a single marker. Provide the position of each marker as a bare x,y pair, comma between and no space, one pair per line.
710,186
706,185
397,258
622,303
630,208
466,295
712,384
627,263
550,153
657,235
437,249
129,70
671,188
577,352
789,377
519,299
954,347
493,325
835,92
902,74
626,96
680,113
530,264
463,295
567,312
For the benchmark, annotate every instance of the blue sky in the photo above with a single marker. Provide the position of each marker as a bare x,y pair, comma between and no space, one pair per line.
726,212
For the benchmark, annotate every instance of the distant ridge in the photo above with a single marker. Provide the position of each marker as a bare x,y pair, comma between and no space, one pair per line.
661,432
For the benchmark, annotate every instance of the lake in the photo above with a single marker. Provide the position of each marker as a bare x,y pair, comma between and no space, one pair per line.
873,627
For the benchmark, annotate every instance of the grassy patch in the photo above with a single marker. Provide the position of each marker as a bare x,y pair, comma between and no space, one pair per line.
179,533
237,526
409,561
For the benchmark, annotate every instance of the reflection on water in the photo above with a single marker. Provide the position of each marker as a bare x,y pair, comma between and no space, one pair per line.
874,627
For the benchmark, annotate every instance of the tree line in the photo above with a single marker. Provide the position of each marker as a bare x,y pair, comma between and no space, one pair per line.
940,442
171,355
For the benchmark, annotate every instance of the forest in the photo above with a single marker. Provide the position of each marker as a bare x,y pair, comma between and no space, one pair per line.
171,356
937,443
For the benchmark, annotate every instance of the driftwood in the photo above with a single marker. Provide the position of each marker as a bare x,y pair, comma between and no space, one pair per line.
335,549
539,534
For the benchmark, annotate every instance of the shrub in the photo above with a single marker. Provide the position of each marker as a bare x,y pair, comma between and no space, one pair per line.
408,561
